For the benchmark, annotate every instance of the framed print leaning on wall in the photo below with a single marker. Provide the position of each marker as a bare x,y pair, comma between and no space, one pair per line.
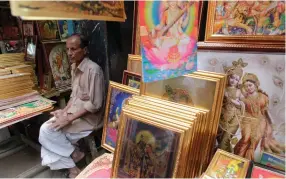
131,79
116,97
254,81
237,22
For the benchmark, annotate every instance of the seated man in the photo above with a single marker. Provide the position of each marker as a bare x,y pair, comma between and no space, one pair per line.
80,117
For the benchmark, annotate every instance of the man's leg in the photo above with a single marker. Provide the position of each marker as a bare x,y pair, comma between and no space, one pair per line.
57,148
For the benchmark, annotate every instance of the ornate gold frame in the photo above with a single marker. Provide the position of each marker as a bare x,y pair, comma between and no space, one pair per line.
237,41
134,60
107,108
180,130
221,152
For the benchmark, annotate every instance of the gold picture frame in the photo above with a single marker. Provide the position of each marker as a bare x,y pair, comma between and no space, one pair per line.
224,161
222,32
134,64
128,118
123,92
216,82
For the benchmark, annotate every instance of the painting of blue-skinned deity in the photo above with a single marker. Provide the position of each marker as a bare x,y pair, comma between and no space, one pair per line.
147,151
113,110
253,112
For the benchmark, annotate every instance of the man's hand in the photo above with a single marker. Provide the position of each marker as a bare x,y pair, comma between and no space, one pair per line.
60,122
58,113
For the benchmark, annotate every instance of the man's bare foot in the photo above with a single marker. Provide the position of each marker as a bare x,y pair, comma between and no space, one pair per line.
77,155
74,172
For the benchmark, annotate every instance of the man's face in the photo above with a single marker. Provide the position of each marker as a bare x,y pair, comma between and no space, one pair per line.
74,51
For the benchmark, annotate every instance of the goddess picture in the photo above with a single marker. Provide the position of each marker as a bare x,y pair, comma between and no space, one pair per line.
168,37
249,18
117,100
148,151
48,30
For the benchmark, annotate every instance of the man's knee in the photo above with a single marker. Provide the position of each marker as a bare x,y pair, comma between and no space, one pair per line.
45,130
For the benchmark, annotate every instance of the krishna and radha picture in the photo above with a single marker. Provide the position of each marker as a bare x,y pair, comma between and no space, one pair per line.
253,112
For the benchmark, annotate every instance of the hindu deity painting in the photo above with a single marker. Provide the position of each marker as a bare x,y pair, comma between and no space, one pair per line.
60,65
117,99
168,32
48,30
131,79
149,151
66,28
253,113
225,165
247,20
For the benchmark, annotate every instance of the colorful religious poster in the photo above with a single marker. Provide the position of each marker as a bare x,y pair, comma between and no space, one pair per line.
259,172
90,10
66,28
253,112
168,31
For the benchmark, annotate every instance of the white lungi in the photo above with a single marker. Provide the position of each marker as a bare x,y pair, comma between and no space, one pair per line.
57,146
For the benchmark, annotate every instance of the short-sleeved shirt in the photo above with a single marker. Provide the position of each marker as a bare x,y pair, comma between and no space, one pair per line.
87,93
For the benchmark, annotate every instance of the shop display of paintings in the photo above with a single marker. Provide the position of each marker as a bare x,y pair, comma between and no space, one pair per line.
259,171
66,28
90,10
48,30
253,113
116,97
175,113
28,28
227,165
131,79
257,22
169,32
59,63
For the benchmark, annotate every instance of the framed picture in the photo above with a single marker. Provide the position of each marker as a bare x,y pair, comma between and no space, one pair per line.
30,47
12,46
11,33
227,165
131,79
28,28
134,64
260,171
265,72
273,161
116,97
56,58
199,89
89,10
162,47
48,30
246,22
137,153
66,28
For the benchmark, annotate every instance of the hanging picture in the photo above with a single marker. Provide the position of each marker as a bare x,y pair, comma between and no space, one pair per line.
59,64
66,28
131,79
90,10
169,32
257,22
253,113
11,33
227,165
117,95
48,30
28,28
259,171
